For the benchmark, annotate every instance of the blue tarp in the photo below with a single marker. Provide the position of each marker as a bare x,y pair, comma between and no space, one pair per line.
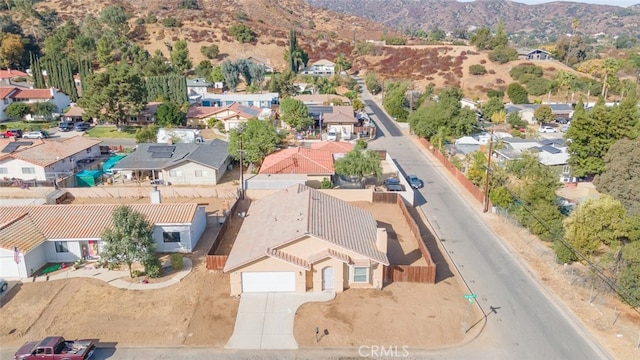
88,178
111,162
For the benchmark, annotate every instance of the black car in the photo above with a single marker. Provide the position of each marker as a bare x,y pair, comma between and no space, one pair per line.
65,126
82,126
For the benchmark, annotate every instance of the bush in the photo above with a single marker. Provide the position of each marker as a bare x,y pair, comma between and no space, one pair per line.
326,184
176,261
152,267
564,255
189,5
210,52
477,69
140,21
171,22
538,86
242,33
151,19
503,54
136,273
523,69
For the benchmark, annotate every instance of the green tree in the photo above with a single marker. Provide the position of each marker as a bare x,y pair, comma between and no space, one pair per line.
259,138
231,74
447,112
342,63
620,179
357,104
169,115
360,163
11,51
295,113
503,54
128,239
515,120
565,80
203,69
216,74
482,38
594,223
372,83
210,52
17,110
477,69
629,278
242,33
115,17
43,109
114,94
500,39
543,114
282,83
394,100
517,94
147,134
493,105
180,56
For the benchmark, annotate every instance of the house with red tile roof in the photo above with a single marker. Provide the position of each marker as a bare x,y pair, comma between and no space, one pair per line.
44,159
11,94
11,74
316,164
32,236
232,115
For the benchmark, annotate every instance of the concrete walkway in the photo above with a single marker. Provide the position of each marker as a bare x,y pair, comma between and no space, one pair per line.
265,320
113,277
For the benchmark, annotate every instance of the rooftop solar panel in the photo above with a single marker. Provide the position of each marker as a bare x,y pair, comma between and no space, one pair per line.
161,155
161,148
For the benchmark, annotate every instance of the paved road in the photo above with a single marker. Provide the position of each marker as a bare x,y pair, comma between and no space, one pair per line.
523,322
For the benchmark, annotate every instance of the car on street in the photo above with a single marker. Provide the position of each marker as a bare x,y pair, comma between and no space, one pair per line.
415,182
40,134
17,133
547,129
82,126
65,126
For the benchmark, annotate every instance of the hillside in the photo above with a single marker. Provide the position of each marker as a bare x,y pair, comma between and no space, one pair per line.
550,19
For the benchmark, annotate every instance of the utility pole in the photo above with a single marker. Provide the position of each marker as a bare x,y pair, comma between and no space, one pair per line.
241,171
486,180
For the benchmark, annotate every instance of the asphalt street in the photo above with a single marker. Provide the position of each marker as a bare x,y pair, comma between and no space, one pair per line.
524,320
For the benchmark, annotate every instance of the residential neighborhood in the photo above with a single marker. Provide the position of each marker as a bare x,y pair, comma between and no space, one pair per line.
179,182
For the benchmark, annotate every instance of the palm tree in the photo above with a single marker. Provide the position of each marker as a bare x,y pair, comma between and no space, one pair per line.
574,24
609,67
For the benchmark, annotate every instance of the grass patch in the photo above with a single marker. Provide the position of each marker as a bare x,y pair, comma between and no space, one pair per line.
111,131
28,126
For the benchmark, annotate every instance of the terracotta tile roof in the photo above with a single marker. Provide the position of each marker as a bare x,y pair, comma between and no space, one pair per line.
10,74
334,147
33,94
23,145
298,161
329,253
21,233
74,111
201,112
76,221
5,91
48,152
297,212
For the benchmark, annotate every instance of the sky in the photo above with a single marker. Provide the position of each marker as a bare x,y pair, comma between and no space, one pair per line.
602,2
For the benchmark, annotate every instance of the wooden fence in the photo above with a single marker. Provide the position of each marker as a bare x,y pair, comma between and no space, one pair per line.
476,192
385,197
408,273
215,261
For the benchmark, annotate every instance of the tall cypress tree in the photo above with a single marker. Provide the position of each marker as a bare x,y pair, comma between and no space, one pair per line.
36,72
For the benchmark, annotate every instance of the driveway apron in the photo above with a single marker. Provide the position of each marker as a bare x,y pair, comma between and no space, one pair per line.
265,320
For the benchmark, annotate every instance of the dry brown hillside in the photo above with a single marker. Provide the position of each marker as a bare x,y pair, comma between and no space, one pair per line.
322,33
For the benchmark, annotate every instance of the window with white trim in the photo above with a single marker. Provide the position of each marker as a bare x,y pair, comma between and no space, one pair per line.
62,247
28,170
360,274
175,173
199,173
171,237
4,170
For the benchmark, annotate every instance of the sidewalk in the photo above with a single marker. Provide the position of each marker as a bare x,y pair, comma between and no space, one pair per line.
113,277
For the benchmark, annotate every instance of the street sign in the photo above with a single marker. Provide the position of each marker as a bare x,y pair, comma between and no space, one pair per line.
470,296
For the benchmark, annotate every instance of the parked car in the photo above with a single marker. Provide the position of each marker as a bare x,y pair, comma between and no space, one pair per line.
17,133
40,134
82,126
332,135
56,348
4,285
393,184
547,129
65,126
562,120
415,182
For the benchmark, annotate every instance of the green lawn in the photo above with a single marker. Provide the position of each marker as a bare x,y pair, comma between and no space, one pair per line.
28,126
111,131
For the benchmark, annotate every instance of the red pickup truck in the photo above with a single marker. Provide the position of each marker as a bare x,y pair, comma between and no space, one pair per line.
56,348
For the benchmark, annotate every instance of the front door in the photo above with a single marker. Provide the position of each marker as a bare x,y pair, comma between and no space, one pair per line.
327,278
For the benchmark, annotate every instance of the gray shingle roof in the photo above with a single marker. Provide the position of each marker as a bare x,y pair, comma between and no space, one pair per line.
297,211
212,154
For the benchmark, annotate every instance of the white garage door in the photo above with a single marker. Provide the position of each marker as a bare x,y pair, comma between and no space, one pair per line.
268,281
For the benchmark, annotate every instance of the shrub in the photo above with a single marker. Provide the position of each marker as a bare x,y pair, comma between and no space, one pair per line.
176,261
326,184
241,15
171,22
189,4
477,69
524,69
210,52
136,273
503,55
151,19
152,267
242,33
140,21
564,255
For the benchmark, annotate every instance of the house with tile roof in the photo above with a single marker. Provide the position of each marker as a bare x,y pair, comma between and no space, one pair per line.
32,236
7,74
45,159
342,120
176,164
10,94
231,116
300,239
316,164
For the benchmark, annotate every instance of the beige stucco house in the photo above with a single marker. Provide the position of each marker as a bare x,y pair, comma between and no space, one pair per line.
300,239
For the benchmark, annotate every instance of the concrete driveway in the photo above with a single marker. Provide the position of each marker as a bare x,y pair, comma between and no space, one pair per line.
265,320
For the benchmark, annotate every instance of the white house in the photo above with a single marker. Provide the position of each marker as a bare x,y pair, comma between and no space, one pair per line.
44,160
10,94
178,164
263,101
32,236
197,89
320,67
526,111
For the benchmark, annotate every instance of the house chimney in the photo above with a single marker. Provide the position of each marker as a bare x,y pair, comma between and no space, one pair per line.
155,196
381,240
